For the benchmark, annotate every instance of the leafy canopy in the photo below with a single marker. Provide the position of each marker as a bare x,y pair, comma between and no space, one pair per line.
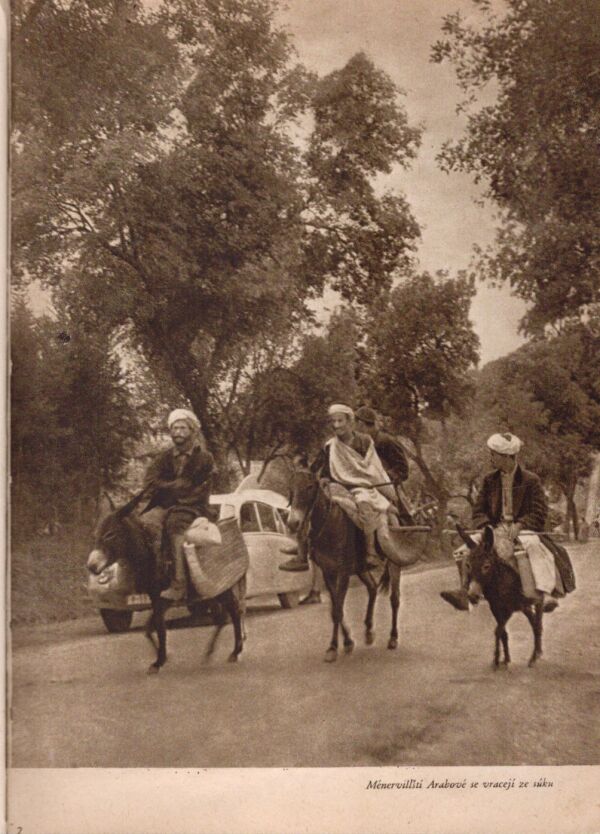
535,146
172,187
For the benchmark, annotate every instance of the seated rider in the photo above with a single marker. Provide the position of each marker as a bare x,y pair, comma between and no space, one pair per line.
349,468
179,481
512,501
391,454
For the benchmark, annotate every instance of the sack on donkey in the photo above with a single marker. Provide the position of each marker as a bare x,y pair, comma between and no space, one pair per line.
203,532
562,562
215,567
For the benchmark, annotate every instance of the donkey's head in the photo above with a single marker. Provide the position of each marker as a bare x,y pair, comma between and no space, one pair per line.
114,539
482,555
303,492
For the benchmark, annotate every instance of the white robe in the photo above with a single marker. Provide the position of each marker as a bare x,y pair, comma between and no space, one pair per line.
358,476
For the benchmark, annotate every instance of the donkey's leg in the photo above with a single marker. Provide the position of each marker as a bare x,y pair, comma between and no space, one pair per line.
395,572
504,638
535,616
232,606
159,606
331,583
497,636
371,586
501,638
342,582
222,619
150,629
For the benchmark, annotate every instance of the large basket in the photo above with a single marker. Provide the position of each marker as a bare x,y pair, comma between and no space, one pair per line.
215,568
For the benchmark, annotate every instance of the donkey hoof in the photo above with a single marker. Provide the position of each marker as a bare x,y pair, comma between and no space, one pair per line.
349,647
232,658
153,669
369,638
330,656
393,643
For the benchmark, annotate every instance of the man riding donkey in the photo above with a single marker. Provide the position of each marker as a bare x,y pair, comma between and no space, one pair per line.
513,502
350,470
179,482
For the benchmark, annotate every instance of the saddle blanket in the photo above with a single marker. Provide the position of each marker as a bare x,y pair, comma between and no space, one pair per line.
216,567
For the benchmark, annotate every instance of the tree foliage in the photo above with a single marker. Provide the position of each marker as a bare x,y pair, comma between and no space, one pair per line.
535,147
161,185
419,350
284,403
72,421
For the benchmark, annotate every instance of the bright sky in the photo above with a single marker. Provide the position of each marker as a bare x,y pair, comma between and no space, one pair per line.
397,35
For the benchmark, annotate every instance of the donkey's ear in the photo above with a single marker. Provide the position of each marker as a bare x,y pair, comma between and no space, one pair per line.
466,538
488,536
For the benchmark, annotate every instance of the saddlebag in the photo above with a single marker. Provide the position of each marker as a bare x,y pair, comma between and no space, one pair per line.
562,562
216,567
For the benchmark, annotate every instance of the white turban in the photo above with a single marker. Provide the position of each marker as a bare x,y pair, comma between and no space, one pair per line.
505,444
183,414
340,408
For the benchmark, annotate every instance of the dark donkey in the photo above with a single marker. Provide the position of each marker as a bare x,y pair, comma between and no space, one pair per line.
121,536
501,587
337,547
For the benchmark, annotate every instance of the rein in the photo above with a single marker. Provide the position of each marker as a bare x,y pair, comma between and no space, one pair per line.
308,513
314,538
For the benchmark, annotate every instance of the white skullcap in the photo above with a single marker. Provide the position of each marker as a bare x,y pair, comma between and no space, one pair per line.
340,408
183,414
505,444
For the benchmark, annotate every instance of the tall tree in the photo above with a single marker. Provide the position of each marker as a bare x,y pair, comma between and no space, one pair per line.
72,421
291,399
535,147
419,350
164,187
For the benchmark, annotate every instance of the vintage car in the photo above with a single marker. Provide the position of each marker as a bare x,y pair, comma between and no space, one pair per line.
261,515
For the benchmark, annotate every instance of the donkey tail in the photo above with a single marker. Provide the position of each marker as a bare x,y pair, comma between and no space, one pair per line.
384,582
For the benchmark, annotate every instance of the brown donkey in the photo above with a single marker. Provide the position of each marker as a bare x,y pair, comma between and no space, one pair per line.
501,587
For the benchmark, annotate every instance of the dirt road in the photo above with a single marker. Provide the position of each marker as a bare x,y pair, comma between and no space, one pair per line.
81,698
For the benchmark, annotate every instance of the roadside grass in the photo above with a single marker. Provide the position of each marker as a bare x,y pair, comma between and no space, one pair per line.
48,578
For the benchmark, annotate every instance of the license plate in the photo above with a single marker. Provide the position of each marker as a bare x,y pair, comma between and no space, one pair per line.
138,599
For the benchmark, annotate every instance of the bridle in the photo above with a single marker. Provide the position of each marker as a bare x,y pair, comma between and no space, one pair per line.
314,537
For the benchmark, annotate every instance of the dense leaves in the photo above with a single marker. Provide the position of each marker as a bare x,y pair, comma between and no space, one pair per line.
72,423
535,147
175,189
419,350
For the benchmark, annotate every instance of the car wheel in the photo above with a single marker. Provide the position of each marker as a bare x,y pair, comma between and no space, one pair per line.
289,600
116,621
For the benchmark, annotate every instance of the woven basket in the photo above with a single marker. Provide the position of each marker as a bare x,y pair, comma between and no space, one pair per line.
215,568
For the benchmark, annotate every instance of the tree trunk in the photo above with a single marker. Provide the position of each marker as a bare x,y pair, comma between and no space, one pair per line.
572,517
568,490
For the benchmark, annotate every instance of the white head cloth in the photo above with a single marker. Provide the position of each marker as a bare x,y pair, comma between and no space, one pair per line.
183,414
505,444
340,408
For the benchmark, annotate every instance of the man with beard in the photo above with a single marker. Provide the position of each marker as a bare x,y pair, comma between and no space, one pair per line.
179,482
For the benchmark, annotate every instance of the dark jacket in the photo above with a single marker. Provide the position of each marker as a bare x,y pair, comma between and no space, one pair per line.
191,489
392,456
530,507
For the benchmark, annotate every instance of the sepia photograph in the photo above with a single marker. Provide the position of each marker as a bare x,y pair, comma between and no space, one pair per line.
303,419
